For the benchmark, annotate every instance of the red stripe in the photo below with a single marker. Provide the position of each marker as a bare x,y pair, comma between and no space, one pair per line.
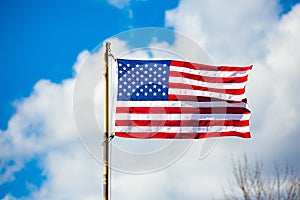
185,123
210,79
176,97
183,110
194,87
208,67
143,135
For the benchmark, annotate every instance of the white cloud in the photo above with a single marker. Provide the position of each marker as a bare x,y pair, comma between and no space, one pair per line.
9,197
119,3
282,44
42,121
43,128
230,31
251,32
71,174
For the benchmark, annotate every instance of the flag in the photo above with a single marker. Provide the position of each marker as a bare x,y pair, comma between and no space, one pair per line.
177,99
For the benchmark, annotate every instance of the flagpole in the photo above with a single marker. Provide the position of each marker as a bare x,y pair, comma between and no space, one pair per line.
106,124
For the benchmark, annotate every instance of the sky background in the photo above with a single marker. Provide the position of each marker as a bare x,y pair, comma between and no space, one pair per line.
43,44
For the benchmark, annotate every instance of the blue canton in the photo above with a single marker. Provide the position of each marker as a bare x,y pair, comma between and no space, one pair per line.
143,80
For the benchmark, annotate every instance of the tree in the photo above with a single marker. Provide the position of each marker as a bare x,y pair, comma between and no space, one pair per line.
251,184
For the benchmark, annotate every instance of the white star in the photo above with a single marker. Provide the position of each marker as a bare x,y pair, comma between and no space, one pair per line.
120,64
129,79
121,79
155,72
150,82
120,94
164,72
154,79
159,68
163,79
128,94
141,90
145,93
129,86
158,90
137,65
120,71
124,90
125,83
128,72
150,90
155,65
137,94
142,75
164,94
159,75
154,86
137,72
150,69
165,65
142,83
145,72
125,75
164,86
124,68
150,75
146,86
128,65
146,65
159,83
133,83
120,86
154,94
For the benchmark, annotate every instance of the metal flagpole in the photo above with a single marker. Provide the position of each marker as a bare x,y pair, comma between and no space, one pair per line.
106,124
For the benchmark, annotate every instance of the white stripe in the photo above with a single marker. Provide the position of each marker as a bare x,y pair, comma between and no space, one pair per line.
162,116
230,97
172,129
179,104
173,79
221,74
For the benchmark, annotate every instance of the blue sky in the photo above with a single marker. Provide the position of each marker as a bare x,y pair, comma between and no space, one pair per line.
42,39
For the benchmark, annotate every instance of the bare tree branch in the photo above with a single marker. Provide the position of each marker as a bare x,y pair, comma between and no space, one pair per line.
251,184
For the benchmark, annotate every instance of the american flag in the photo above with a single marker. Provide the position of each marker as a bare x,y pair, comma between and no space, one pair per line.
177,99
